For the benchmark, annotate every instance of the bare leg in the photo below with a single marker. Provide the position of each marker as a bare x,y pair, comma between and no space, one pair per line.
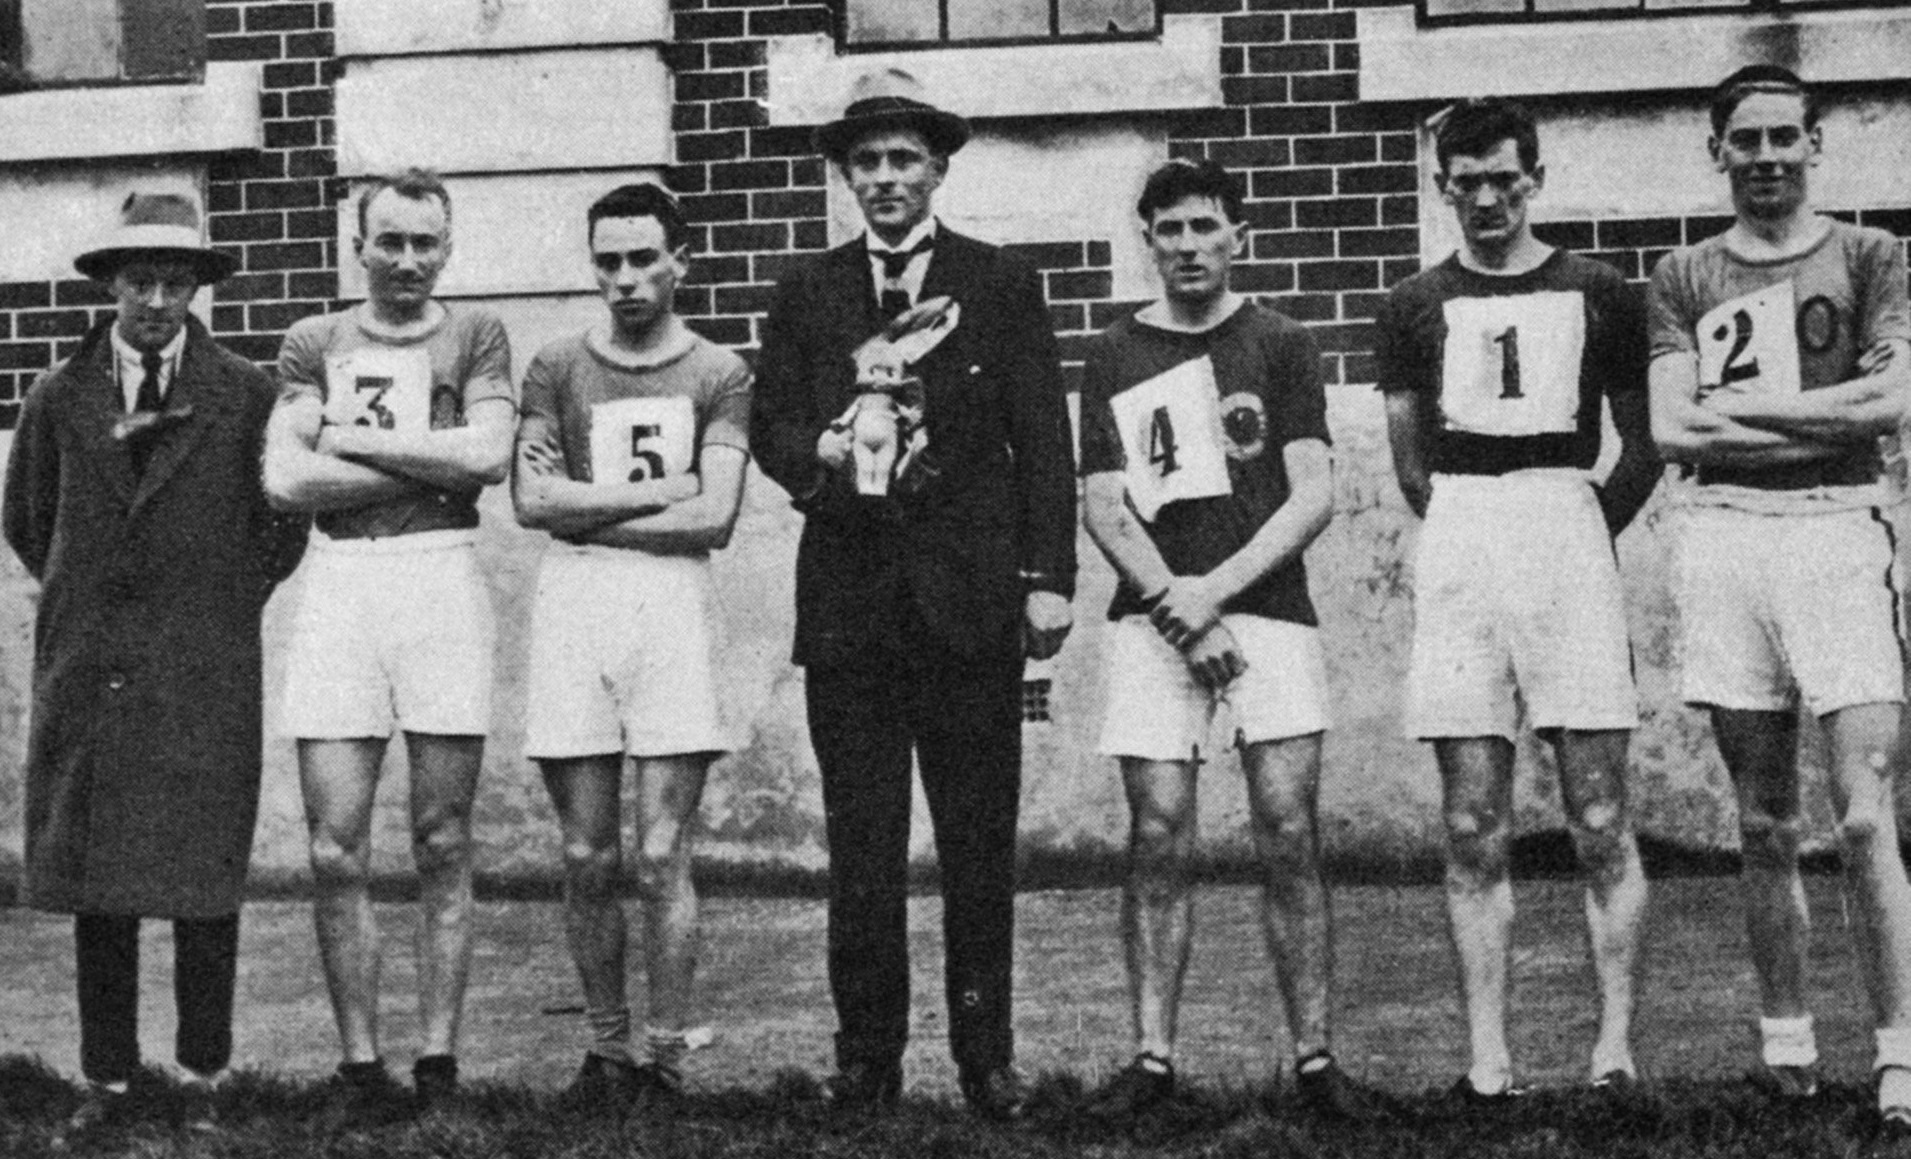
1760,751
1283,783
1157,907
444,777
584,792
1863,740
1476,775
669,789
1592,775
339,779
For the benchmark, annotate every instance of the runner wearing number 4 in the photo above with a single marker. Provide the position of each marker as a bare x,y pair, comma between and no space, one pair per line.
392,417
1494,364
1204,447
631,453
1780,352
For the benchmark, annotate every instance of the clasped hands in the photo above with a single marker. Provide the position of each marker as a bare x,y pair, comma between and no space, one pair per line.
1187,614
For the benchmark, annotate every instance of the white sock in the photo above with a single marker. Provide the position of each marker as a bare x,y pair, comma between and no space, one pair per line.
1492,1077
1894,1068
1788,1041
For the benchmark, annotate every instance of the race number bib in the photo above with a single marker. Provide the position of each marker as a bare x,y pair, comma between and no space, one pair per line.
637,439
1511,363
1751,343
1171,435
388,387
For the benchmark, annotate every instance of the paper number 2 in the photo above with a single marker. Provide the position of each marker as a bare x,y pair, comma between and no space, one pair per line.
1740,331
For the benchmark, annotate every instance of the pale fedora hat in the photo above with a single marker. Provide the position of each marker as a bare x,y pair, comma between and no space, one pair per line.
889,98
156,225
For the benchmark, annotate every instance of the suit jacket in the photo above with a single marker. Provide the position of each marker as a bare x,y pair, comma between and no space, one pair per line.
996,515
143,754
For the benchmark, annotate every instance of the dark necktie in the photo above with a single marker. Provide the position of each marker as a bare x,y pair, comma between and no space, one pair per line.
148,399
894,299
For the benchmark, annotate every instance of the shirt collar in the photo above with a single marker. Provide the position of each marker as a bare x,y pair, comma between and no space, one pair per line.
924,228
133,358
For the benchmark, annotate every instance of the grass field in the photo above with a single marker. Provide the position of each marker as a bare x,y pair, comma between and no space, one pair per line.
763,987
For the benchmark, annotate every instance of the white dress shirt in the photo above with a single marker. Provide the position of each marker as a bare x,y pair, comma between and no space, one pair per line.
129,366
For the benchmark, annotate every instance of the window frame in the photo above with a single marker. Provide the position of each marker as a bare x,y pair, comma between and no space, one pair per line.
155,47
839,15
1687,8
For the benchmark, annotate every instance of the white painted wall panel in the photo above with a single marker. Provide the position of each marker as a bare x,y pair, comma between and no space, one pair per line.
395,27
511,233
70,40
135,120
512,112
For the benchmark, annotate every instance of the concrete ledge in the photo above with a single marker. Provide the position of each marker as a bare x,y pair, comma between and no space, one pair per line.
605,108
135,120
1401,61
809,82
394,27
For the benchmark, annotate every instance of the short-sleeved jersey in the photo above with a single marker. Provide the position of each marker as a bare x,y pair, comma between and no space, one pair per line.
1265,370
1517,363
1792,323
464,359
604,419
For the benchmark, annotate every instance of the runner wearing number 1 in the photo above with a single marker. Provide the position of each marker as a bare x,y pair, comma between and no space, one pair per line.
631,454
1781,352
392,417
1495,363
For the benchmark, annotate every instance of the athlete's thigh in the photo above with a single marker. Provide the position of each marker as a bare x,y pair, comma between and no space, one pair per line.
1283,777
444,776
1160,792
1476,776
585,793
339,780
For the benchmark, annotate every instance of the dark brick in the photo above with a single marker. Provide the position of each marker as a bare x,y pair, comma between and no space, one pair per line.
738,114
1394,269
1291,120
1335,150
790,203
1081,284
301,74
1376,117
312,223
689,118
1102,315
52,324
312,284
302,255
682,56
309,103
808,172
731,239
226,319
1049,255
1251,153
291,134
1327,86
1188,150
1286,58
260,348
760,84
250,287
750,175
809,235
1233,60
1399,147
224,197
789,21
1377,179
247,166
728,146
310,163
1892,221
9,415
271,106
1572,235
1625,261
709,86
1292,183
688,178
221,21
1347,58
692,301
1345,336
1649,259
1210,123
264,226
1068,318
1340,275
81,292
723,331
1307,307
312,45
775,267
1293,243
1664,231
1341,211
1262,277
743,299
244,48
281,17
783,141
1321,26
1253,29
743,54
283,194
706,208
719,270
1268,214
1697,229
1100,254
25,295
280,315
25,355
1286,5
1362,307
1254,90
1399,210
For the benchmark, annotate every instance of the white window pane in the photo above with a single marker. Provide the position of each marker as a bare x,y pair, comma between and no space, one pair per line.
876,21
1086,17
70,40
997,19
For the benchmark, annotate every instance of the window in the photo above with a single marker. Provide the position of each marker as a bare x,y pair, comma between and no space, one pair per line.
50,43
923,23
1035,700
1492,11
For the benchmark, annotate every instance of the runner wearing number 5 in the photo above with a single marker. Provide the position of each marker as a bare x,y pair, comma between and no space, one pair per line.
1495,364
392,417
1781,350
1204,447
631,453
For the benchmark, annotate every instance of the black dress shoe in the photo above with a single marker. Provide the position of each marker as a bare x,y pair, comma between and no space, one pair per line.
999,1094
864,1086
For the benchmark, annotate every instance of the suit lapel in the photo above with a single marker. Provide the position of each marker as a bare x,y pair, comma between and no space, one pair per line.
188,414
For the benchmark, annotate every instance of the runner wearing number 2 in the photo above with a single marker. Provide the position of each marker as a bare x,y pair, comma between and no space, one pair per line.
1204,448
631,453
392,417
1494,364
1780,354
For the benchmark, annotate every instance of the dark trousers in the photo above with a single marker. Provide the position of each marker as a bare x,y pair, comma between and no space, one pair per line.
205,968
962,717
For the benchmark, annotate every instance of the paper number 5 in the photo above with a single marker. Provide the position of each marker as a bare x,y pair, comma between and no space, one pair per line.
650,465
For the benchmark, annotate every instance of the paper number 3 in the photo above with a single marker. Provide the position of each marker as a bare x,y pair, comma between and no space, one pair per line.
380,387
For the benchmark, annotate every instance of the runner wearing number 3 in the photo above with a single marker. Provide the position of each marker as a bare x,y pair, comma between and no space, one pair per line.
1494,364
1780,352
631,453
1204,449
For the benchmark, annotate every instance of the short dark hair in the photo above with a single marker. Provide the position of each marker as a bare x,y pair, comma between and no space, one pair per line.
414,184
642,199
1474,128
1759,78
1178,180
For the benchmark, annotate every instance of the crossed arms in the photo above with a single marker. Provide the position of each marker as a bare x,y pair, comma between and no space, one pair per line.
1752,430
314,466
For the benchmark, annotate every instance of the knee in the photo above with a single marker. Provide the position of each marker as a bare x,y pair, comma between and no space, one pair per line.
590,870
1157,840
1601,837
1288,846
1769,842
1476,843
441,844
1859,831
663,858
336,862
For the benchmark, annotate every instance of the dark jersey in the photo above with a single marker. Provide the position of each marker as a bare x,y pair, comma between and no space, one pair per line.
1260,374
1517,363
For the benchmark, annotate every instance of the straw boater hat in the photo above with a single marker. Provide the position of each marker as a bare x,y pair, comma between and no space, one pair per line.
890,99
156,225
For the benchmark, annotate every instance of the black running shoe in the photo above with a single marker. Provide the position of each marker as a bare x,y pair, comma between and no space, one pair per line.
1146,1082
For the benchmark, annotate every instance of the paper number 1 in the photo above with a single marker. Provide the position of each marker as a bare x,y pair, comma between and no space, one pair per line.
1509,344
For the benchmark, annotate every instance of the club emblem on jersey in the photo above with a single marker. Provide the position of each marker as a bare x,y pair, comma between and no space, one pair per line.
1244,421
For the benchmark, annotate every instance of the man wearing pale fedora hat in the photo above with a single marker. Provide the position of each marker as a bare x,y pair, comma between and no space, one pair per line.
133,496
916,608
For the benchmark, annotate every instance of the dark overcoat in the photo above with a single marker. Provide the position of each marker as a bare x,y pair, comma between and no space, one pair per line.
143,753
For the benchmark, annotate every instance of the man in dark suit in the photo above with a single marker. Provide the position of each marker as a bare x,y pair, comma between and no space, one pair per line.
915,608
